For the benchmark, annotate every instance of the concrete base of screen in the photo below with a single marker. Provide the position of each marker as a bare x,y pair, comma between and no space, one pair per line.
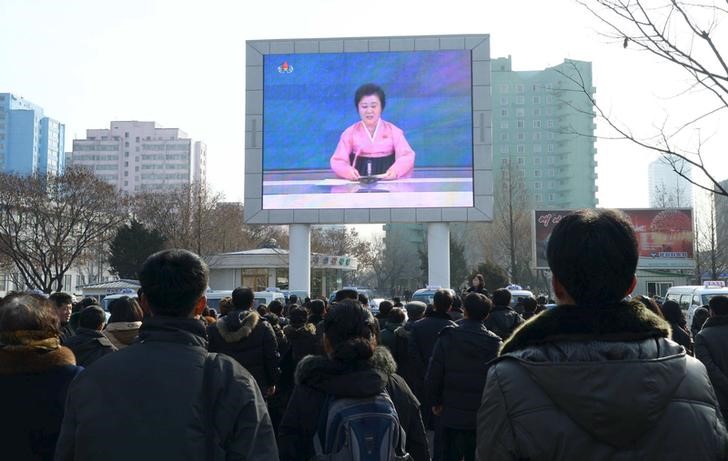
299,263
438,254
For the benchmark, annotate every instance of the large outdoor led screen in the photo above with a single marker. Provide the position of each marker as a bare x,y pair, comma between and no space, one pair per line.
323,150
368,130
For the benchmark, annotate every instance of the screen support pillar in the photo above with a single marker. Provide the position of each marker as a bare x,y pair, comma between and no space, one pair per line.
299,257
438,254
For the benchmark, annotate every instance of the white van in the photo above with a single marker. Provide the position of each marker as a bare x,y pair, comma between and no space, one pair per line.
265,297
690,297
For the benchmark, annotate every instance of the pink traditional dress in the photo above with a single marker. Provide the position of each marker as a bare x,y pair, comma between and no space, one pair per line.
373,154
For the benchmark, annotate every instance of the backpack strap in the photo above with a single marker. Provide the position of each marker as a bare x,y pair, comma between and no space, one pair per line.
319,441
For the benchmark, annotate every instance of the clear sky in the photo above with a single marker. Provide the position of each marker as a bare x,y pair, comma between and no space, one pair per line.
181,64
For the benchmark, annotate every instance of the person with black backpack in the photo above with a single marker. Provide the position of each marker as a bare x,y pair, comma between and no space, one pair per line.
350,404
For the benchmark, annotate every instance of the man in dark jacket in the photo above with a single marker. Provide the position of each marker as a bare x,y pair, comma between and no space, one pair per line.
249,339
421,343
456,377
89,343
63,304
503,320
165,397
711,348
415,311
597,377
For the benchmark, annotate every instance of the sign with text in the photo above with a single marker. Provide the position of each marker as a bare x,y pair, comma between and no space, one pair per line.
665,236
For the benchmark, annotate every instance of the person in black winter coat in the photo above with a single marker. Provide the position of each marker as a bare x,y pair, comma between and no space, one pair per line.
165,397
596,378
711,348
503,320
478,285
352,367
415,311
248,338
35,372
675,317
456,377
89,343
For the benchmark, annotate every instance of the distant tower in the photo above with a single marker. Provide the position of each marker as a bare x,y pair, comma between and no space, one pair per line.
667,188
29,141
543,125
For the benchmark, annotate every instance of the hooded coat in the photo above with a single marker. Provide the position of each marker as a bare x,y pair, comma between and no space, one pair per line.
503,321
89,345
711,348
165,398
319,376
457,372
249,339
122,334
33,388
598,383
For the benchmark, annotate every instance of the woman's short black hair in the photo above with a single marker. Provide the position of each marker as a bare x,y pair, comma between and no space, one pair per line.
351,331
369,89
125,309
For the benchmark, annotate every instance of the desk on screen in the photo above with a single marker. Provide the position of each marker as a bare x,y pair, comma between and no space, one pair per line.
427,188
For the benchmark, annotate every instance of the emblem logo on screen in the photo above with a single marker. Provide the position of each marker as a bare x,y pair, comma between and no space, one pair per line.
285,68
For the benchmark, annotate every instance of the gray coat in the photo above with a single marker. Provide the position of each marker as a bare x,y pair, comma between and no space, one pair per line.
598,384
711,348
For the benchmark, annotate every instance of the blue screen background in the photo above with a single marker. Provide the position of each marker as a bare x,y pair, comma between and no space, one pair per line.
428,96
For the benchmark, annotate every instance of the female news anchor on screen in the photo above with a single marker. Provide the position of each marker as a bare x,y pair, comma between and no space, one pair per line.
372,146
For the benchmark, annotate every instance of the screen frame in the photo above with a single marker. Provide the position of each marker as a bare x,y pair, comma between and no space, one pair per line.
479,46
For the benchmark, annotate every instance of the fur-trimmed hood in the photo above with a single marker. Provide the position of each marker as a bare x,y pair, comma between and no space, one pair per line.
355,379
611,369
30,361
237,325
306,329
628,321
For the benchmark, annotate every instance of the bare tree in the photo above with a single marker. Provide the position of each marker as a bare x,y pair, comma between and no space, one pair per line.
395,263
47,223
682,34
343,241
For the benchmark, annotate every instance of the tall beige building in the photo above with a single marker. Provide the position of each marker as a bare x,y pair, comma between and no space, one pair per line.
141,156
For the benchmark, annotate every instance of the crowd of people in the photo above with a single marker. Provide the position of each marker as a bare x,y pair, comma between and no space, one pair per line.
599,375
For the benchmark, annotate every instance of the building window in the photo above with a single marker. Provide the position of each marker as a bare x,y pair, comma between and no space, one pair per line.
126,163
536,148
551,196
537,99
137,139
549,123
537,124
537,112
550,148
520,112
537,185
520,99
537,173
539,197
504,148
504,112
521,160
658,288
503,88
536,136
521,136
537,161
519,88
504,124
520,149
519,124
504,100
504,136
